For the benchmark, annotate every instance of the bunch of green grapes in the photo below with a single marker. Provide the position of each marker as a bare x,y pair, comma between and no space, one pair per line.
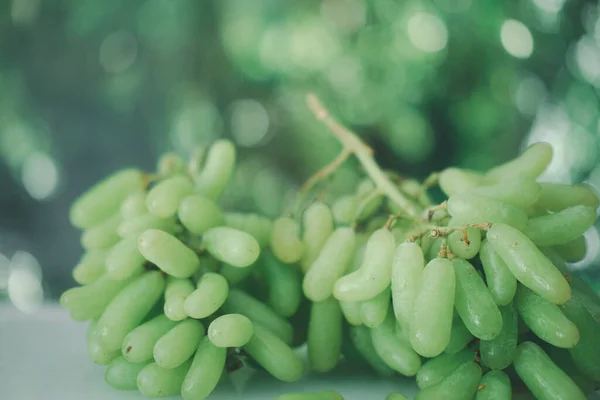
471,296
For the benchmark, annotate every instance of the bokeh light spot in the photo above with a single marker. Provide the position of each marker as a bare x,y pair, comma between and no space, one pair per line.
427,32
249,122
39,175
516,38
118,51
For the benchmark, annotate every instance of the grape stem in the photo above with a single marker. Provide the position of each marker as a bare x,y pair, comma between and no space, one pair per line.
364,153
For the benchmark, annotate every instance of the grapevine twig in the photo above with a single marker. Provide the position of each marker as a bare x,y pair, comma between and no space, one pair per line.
326,170
431,210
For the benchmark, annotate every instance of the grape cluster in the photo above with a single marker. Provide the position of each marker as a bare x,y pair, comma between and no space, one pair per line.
472,296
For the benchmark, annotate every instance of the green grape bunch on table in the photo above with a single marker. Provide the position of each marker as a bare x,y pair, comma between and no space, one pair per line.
472,297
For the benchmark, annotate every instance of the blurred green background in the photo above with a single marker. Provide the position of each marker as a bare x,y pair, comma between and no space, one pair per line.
89,86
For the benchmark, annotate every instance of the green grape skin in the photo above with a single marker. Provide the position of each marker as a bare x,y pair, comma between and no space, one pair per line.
528,264
530,164
176,292
98,354
196,160
198,214
218,169
102,235
473,209
572,251
169,164
90,267
542,376
500,352
284,284
351,311
367,204
168,253
396,396
460,336
546,319
104,199
373,311
494,385
275,356
258,226
501,282
459,247
407,267
134,205
156,381
563,360
204,373
232,246
138,345
210,294
395,350
431,321
285,240
360,336
557,196
474,303
124,260
437,369
561,227
140,223
236,276
344,209
230,330
317,222
460,384
324,335
324,395
177,345
122,374
456,180
519,192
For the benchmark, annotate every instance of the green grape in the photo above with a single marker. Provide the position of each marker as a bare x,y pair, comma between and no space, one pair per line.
128,308
210,294
373,311
520,192
362,341
455,180
460,336
501,282
324,335
407,268
205,371
177,345
434,249
324,395
156,381
285,291
573,251
557,196
396,396
285,240
231,246
230,330
437,369
274,355
352,312
218,170
393,349
257,226
96,351
134,205
560,227
196,160
374,275
544,378
462,248
138,345
104,199
494,385
473,209
460,384
176,293
168,253
500,352
528,264
431,320
474,303
530,164
140,223
239,302
103,235
562,358
124,259
317,221
198,214
330,265
170,164
546,319
235,275
90,267
367,204
122,374
344,209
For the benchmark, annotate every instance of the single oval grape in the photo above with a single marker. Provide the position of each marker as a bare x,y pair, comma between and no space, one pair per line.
168,253
407,268
230,330
231,246
164,198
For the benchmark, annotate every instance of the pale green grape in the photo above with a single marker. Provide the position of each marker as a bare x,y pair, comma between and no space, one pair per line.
557,196
170,164
235,275
435,370
156,381
324,395
396,396
462,248
407,268
168,253
284,285
90,267
230,330
198,214
573,251
456,180
495,385
344,209
122,374
209,296
393,349
196,160
460,336
96,351
218,170
352,312
231,246
138,345
460,384
317,221
285,240
361,339
500,352
473,209
134,205
205,371
176,293
530,164
124,259
324,335
560,227
178,344
258,226
500,280
103,235
164,198
366,209
520,192
140,223
373,311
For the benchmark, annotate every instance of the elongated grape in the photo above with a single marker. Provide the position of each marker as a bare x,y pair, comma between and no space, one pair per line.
572,251
474,303
209,296
103,235
124,259
431,321
563,360
501,282
460,336
530,164
176,292
168,253
500,352
230,330
324,395
461,384
374,274
472,209
352,312
285,240
178,344
90,267
560,227
138,224
271,353
456,180
134,205
205,371
196,160
373,311
546,319
128,309
494,385
465,247
96,351
362,341
317,223
544,378
393,349
138,345
520,192
104,199
528,264
218,169
437,369
169,164
198,214
558,196
330,265
344,209
156,381
285,287
235,247
122,374
238,302
407,267
258,226
324,335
